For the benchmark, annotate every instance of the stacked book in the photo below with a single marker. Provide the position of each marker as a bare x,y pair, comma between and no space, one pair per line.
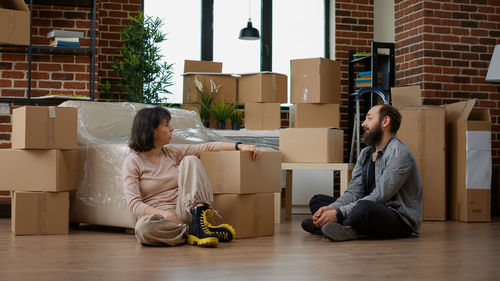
63,38
364,80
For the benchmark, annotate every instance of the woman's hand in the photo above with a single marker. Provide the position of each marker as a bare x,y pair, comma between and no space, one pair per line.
171,217
252,148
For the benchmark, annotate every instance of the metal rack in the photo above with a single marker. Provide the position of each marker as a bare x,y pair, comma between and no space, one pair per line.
48,50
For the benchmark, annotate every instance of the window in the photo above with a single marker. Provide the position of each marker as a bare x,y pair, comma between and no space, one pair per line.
182,24
237,56
298,32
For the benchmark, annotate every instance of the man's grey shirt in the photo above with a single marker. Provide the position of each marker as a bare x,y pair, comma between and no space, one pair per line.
397,183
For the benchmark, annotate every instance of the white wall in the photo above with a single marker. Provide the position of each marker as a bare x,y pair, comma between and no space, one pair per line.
383,21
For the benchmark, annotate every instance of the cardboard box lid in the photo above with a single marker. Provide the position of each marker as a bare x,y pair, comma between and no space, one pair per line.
202,66
262,72
209,74
18,5
406,96
460,112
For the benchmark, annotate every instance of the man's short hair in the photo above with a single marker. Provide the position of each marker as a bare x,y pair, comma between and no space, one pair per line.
393,114
144,125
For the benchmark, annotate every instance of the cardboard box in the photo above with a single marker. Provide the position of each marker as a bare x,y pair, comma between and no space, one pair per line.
236,172
213,122
406,96
14,23
310,145
38,170
262,116
251,215
423,130
40,213
315,80
469,162
310,115
202,66
227,84
44,127
262,87
277,207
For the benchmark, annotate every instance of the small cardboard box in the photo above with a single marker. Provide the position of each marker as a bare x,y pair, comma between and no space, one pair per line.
315,80
251,215
236,172
202,66
262,116
44,127
40,213
423,130
212,121
38,170
14,23
262,87
310,145
227,84
310,115
469,162
406,96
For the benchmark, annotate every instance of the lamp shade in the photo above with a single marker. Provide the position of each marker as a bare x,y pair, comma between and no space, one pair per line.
249,32
493,74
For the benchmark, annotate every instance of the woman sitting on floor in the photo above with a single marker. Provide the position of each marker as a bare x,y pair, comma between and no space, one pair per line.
166,186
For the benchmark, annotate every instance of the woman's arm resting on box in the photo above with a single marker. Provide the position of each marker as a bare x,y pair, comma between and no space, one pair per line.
229,146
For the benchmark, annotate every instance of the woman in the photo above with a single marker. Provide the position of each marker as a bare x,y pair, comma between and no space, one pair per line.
167,188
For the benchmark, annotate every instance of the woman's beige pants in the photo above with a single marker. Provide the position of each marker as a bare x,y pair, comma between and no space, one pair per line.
194,188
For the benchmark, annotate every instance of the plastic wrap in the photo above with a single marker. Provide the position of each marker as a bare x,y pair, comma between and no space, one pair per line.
103,135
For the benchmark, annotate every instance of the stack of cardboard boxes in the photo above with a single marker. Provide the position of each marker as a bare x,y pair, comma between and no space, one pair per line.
207,73
262,94
452,147
40,168
315,91
243,189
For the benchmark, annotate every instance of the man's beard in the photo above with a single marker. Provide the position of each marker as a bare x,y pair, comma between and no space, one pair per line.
373,137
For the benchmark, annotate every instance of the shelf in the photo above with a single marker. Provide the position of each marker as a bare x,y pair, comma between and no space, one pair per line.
46,50
360,58
35,100
71,3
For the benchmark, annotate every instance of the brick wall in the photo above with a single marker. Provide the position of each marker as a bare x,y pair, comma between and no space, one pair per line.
353,31
445,47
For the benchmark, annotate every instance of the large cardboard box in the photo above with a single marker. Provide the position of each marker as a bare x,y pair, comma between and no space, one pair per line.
14,23
38,170
311,115
310,145
202,66
251,215
44,127
227,84
469,162
212,121
40,213
262,87
315,80
262,116
236,172
423,130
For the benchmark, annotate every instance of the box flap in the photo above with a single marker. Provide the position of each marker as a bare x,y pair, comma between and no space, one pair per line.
18,5
459,111
262,72
480,115
406,96
207,73
202,66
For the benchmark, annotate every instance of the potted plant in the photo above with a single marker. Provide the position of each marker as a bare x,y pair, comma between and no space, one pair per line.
144,74
221,112
236,117
205,99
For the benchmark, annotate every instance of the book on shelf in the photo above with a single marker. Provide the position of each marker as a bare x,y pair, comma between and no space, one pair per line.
64,34
363,80
365,73
65,42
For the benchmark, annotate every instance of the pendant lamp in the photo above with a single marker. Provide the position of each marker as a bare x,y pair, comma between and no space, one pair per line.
249,32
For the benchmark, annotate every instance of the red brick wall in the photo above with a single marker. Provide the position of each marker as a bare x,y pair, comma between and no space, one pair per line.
353,31
445,47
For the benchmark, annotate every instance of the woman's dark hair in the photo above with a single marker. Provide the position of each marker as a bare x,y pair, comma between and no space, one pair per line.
144,125
394,115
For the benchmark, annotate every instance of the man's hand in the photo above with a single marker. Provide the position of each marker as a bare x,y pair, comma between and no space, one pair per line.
324,215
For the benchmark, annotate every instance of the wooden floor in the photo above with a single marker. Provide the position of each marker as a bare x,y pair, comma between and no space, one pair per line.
444,251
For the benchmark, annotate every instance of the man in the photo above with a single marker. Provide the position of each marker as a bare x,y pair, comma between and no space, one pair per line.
384,197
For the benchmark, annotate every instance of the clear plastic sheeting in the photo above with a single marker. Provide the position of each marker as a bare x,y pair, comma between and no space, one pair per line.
103,135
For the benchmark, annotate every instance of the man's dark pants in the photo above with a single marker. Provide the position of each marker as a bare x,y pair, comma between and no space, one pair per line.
368,218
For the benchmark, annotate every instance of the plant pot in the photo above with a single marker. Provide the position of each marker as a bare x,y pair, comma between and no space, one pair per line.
221,125
206,124
235,126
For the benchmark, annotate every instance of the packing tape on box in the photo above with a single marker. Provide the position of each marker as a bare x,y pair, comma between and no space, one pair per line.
51,126
305,95
42,214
